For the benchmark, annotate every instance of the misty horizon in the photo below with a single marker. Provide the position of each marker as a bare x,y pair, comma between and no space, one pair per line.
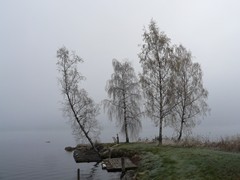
32,32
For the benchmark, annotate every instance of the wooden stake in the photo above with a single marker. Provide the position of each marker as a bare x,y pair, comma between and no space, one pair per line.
78,174
123,164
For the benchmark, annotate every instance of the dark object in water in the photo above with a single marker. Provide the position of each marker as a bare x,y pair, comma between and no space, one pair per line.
69,148
86,155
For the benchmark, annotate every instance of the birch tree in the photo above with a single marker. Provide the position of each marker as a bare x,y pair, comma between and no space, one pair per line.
156,78
192,95
124,98
78,106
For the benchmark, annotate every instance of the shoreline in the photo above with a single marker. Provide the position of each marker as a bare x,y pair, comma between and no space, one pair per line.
151,158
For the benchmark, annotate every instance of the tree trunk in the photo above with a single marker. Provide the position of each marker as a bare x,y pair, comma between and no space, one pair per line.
125,118
181,125
161,103
126,130
89,139
160,131
160,135
81,127
180,132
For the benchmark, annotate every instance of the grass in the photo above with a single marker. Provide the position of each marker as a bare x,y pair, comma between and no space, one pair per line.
230,143
177,162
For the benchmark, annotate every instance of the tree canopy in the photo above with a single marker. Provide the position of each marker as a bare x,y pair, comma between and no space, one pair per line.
156,77
124,98
170,87
192,95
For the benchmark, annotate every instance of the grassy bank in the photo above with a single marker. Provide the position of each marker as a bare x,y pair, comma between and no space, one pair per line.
176,162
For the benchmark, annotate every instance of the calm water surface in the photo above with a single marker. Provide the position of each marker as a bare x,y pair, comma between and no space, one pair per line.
28,156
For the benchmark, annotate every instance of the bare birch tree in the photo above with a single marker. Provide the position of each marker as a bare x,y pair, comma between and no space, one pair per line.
80,108
124,98
156,78
191,94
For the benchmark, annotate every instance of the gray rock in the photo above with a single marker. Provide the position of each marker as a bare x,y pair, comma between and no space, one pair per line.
69,148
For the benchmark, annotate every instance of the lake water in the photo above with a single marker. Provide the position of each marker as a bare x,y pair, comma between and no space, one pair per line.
27,156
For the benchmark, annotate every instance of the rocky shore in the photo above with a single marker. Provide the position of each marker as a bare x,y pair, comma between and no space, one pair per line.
107,150
85,153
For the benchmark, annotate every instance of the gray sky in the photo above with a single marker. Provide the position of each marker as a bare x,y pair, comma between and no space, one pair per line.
32,31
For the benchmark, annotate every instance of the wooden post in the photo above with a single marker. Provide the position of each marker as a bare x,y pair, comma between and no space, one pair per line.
123,164
123,167
117,139
78,174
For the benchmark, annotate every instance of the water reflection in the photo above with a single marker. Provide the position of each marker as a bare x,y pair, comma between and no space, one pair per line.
94,171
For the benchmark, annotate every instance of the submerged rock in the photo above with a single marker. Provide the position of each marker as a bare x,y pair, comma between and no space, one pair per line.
69,149
84,155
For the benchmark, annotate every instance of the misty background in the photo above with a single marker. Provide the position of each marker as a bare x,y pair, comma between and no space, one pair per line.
31,32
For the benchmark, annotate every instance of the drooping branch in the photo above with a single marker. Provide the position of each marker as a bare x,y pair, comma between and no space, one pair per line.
124,94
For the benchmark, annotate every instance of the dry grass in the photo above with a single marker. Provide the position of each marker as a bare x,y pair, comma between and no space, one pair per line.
230,143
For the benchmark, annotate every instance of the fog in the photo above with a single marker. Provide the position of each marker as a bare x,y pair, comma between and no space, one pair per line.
32,31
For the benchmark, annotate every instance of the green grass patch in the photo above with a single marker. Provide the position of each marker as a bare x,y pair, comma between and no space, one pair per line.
172,162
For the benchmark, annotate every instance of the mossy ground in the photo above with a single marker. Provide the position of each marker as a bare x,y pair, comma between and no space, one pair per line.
174,162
